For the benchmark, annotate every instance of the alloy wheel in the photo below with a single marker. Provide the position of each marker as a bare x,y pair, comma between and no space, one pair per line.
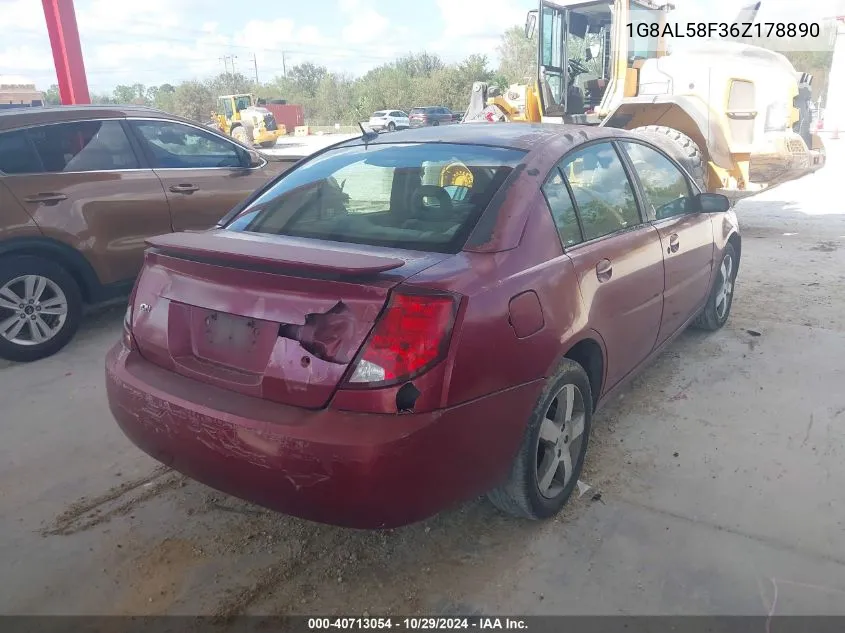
560,441
723,297
33,310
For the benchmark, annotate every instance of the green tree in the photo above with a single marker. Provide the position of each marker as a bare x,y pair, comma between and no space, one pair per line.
194,100
307,77
517,55
129,94
51,95
230,83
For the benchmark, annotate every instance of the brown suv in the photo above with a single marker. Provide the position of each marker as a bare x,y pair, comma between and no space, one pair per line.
81,188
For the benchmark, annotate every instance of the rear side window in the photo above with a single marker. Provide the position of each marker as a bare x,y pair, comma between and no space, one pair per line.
17,156
83,146
415,196
602,191
562,208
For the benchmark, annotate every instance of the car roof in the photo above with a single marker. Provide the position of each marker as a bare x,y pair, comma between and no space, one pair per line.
24,117
528,137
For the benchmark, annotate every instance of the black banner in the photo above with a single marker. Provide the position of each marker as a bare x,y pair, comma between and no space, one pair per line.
529,624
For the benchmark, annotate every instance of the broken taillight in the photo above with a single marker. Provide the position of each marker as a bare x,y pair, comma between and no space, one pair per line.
410,337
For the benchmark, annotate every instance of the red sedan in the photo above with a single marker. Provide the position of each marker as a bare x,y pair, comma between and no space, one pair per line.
401,323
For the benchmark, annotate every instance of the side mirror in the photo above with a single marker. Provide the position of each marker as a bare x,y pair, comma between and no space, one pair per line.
713,203
530,24
255,159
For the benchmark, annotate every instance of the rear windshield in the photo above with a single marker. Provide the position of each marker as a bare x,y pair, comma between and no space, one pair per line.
419,111
377,114
415,196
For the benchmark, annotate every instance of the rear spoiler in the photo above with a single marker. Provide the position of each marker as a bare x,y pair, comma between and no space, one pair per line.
271,252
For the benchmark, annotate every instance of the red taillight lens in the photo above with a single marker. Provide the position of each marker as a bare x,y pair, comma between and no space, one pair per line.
127,328
128,339
410,337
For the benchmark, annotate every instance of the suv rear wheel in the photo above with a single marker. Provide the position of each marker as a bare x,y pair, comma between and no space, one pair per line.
40,308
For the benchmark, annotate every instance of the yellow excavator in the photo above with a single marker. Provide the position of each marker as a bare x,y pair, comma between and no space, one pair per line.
737,116
241,118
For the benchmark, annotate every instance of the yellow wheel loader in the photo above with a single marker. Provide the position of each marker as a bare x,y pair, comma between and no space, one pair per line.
737,116
251,124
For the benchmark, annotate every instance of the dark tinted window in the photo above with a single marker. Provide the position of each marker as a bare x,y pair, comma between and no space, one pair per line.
17,155
175,145
83,146
418,196
600,185
418,111
665,186
563,211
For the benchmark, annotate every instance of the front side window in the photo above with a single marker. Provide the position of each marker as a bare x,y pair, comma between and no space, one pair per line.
601,189
416,196
17,155
83,146
665,186
242,103
172,145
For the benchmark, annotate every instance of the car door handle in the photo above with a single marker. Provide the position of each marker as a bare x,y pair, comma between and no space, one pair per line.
186,188
604,270
46,198
674,243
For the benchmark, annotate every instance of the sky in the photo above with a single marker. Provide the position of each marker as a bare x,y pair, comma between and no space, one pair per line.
157,41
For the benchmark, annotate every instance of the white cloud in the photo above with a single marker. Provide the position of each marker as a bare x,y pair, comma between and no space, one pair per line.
365,24
475,26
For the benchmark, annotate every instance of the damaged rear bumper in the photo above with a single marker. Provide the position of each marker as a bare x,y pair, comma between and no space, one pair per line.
337,467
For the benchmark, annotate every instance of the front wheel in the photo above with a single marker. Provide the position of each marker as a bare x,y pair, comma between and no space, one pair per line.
40,308
718,307
554,446
239,134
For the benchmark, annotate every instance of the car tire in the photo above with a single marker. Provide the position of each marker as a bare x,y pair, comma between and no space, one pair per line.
436,123
391,127
524,494
240,135
62,297
681,147
718,307
268,144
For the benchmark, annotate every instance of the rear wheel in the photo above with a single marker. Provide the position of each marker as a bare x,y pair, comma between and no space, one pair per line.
681,147
391,126
436,123
40,308
268,144
554,446
239,134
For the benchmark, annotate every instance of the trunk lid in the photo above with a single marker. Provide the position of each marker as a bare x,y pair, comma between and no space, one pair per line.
273,317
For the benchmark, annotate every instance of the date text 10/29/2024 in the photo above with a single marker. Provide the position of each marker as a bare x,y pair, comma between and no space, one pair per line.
738,30
418,624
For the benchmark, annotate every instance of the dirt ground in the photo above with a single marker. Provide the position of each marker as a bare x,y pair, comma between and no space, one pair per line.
716,482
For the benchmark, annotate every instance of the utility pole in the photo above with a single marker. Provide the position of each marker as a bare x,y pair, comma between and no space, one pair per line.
225,60
284,66
255,65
